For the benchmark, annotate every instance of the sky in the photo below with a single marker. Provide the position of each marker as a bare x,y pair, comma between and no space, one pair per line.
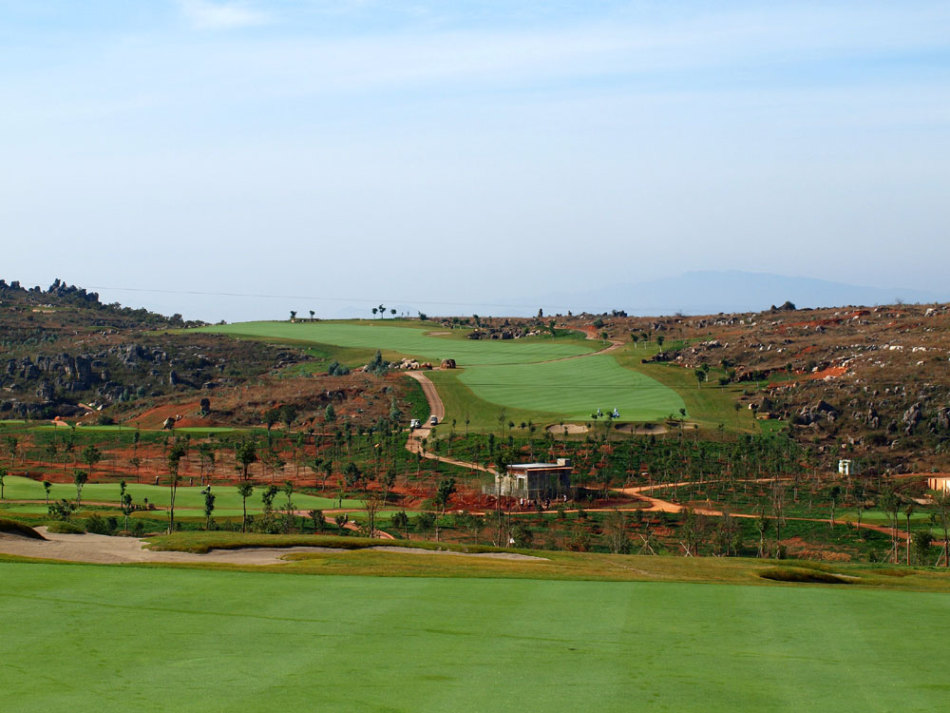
239,159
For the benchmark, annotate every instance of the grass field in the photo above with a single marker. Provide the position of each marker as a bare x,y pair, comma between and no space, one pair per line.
227,500
574,389
411,339
530,379
95,638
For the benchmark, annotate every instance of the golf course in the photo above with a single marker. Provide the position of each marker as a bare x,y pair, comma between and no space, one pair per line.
539,378
110,638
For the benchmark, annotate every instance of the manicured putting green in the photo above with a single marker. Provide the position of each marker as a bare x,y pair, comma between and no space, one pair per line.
410,341
94,638
227,500
575,388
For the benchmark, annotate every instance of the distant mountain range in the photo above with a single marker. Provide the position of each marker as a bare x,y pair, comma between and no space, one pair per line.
710,292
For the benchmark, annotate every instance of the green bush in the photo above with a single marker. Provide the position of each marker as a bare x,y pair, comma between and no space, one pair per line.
98,525
64,527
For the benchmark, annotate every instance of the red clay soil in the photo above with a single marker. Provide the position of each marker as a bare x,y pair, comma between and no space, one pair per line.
155,417
798,548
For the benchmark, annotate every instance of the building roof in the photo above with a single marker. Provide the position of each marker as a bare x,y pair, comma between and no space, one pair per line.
537,466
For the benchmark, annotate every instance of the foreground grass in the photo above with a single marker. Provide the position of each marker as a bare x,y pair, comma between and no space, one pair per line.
96,638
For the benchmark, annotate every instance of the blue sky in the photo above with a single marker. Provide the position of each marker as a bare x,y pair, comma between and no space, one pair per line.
449,157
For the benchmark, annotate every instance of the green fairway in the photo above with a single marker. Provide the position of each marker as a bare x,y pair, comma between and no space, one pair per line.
95,638
531,379
412,341
227,500
574,388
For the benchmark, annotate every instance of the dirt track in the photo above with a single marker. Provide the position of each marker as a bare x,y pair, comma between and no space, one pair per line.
436,407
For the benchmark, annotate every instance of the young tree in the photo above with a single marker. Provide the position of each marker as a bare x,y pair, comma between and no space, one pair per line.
890,502
834,494
341,521
922,546
615,532
319,521
425,522
209,506
246,454
79,480
175,455
91,456
327,472
352,474
442,496
400,521
127,508
908,512
942,502
245,490
206,451
267,498
47,486
12,446
289,505
372,504
3,474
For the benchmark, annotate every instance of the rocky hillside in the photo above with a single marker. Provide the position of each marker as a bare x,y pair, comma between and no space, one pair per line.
66,354
869,382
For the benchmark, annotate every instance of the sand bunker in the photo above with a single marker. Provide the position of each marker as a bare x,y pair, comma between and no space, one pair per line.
102,549
571,429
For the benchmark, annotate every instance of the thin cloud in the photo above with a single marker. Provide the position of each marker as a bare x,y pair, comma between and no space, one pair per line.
206,15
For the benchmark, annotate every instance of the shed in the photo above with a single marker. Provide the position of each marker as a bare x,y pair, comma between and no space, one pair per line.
535,480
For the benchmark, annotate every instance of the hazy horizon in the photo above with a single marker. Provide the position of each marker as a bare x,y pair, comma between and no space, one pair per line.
222,159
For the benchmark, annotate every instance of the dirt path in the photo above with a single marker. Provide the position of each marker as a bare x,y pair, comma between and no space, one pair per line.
660,505
437,409
613,346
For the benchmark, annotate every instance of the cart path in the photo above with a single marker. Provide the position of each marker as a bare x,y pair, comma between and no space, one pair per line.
437,409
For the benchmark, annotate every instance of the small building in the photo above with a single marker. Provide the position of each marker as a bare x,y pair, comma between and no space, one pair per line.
940,483
846,467
534,481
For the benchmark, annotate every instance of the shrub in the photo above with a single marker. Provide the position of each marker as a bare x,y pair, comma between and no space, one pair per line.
98,525
63,527
61,510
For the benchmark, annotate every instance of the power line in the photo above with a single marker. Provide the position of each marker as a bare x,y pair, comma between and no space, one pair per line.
322,298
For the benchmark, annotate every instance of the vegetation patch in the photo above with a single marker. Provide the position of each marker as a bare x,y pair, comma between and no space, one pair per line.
805,575
12,527
65,527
